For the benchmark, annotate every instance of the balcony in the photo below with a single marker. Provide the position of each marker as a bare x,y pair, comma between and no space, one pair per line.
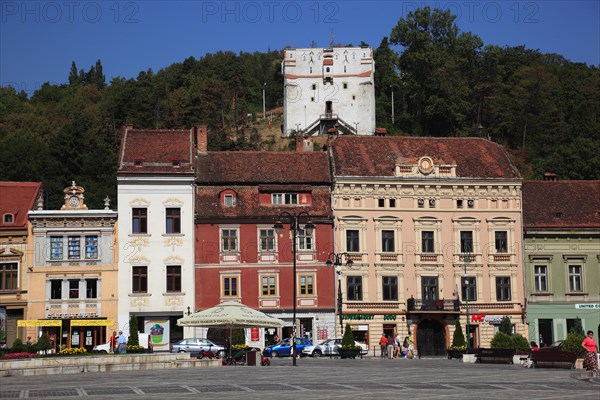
501,257
425,305
428,258
373,305
388,257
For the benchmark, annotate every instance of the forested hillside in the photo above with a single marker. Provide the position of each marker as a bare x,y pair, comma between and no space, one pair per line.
543,108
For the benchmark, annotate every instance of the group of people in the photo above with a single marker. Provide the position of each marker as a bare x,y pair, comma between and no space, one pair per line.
118,344
392,346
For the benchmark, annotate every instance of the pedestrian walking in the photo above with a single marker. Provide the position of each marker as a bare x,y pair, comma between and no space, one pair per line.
383,345
113,342
122,343
411,346
590,360
390,346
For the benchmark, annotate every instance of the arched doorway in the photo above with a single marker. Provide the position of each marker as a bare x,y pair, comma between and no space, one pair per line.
431,338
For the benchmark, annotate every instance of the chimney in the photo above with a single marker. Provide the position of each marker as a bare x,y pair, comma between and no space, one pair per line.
202,139
380,131
299,144
550,176
307,144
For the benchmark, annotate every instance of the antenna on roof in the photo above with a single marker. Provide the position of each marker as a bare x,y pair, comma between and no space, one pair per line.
331,43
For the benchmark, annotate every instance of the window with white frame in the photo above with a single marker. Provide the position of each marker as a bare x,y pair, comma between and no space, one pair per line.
91,288
91,247
354,288
501,241
73,288
469,288
307,284
267,240
229,240
56,289
56,248
228,200
466,241
388,241
284,198
540,273
575,278
74,247
427,242
305,241
503,288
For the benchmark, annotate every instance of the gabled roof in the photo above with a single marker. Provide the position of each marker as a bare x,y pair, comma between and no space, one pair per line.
561,204
378,155
156,150
17,198
262,167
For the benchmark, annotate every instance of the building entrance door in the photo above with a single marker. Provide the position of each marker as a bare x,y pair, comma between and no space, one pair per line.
431,338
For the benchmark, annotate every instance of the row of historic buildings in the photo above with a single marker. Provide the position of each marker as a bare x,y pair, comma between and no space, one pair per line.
389,234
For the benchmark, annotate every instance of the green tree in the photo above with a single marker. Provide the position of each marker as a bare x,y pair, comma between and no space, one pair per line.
134,337
573,343
520,343
458,338
577,328
506,326
348,338
43,343
501,341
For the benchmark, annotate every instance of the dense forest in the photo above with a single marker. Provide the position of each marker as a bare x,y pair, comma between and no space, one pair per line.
543,108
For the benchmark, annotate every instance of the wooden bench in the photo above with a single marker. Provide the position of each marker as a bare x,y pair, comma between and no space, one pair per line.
553,358
495,356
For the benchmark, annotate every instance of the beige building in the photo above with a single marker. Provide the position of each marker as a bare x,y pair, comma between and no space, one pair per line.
73,279
433,227
16,199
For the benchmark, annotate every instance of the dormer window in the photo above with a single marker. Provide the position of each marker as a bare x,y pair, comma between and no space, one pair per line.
284,198
176,163
558,215
9,219
229,200
138,162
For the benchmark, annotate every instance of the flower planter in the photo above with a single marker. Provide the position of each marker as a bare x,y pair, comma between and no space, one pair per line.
349,353
455,353
469,358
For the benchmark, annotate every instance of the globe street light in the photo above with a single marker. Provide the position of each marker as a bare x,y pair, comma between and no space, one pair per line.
294,221
337,262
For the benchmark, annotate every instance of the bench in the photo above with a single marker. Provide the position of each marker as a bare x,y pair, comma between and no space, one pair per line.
495,356
553,358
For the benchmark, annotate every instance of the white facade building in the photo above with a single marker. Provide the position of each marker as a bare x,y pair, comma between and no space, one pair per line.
156,231
329,88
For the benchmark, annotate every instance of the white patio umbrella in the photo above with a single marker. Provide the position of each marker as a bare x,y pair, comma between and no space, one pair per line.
231,314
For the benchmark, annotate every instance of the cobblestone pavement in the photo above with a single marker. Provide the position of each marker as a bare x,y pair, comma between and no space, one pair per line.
316,379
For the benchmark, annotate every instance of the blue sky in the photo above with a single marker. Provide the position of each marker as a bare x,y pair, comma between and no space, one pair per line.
40,39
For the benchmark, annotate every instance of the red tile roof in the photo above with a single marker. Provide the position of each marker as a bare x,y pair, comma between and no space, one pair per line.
17,198
156,150
561,204
378,155
263,167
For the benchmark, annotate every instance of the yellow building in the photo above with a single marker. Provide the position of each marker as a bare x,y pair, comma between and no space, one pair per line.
73,279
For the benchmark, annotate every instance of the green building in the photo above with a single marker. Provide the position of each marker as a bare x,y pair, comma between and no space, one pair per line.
561,222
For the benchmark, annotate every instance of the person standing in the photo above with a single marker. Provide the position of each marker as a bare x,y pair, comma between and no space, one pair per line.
398,346
383,344
113,342
122,343
590,360
390,346
411,346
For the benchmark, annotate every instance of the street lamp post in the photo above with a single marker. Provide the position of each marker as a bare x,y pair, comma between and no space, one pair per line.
392,89
467,260
294,221
337,262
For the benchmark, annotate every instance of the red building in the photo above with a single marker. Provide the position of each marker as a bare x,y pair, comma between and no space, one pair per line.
240,256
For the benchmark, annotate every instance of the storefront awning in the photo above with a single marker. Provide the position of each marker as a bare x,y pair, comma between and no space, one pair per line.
38,322
92,322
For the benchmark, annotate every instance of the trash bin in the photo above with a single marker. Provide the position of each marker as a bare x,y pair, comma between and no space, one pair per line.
251,358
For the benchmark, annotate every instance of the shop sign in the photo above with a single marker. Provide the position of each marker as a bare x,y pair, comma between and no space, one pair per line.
486,319
389,317
588,306
359,316
73,315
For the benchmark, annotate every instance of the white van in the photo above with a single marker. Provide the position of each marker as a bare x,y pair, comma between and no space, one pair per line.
145,342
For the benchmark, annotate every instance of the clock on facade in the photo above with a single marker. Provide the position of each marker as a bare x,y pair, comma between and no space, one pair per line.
74,201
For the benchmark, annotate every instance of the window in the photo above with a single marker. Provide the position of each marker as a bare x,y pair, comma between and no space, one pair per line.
421,203
470,203
229,241
9,218
431,203
466,241
427,245
381,202
345,85
503,288
139,279
352,243
74,247
541,278
91,247
138,163
56,248
305,241
139,220
267,240
390,288
173,220
229,200
284,198
91,288
56,289
173,278
313,86
73,288
387,242
469,288
230,286
354,288
574,324
501,241
459,203
307,285
392,203
9,273
575,278
176,163
269,285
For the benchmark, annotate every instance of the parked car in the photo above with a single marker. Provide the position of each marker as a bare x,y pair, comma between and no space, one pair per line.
144,340
284,348
194,346
330,347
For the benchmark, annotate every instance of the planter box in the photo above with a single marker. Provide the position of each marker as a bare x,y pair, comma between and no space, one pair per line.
349,353
455,353
469,358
